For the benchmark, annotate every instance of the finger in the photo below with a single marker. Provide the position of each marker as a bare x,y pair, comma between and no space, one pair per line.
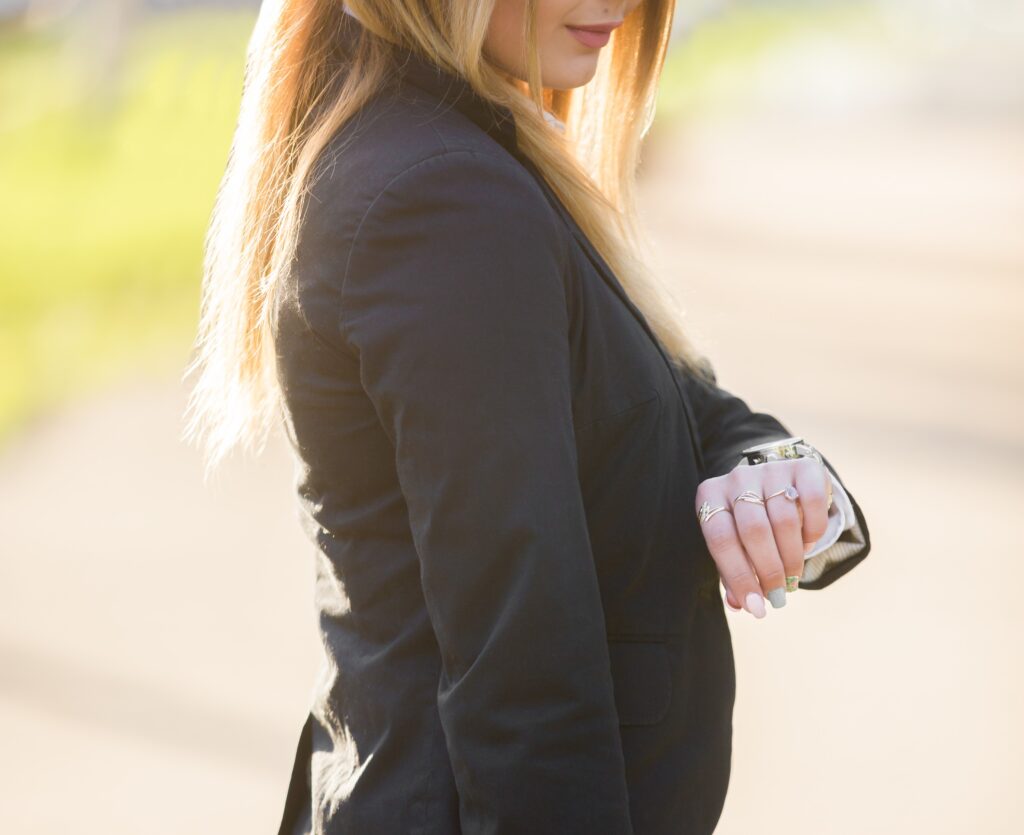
756,534
729,600
787,523
811,481
726,550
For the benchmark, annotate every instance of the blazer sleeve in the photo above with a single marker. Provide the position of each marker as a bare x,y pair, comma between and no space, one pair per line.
454,300
726,426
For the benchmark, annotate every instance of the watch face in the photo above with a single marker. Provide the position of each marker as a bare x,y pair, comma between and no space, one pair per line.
773,445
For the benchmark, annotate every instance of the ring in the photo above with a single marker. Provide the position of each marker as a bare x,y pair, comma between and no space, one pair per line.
789,491
707,511
748,496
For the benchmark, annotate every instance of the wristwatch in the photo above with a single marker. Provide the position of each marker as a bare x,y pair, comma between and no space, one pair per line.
794,447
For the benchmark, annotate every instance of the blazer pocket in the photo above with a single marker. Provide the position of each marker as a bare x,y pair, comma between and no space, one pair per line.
642,678
614,405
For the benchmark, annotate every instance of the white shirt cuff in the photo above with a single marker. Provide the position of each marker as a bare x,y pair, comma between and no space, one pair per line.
840,518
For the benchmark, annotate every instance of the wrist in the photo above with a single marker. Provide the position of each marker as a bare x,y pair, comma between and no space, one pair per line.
780,449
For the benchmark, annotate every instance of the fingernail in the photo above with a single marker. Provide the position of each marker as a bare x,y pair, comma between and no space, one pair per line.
755,605
793,582
777,597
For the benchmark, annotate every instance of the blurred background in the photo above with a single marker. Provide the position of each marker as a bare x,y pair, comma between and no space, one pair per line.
835,190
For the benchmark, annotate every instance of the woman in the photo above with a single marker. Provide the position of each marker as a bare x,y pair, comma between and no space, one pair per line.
522,481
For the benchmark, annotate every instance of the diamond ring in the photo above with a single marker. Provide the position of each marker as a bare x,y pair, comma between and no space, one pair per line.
789,491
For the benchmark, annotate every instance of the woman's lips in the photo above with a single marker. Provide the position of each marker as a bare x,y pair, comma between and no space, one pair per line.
594,40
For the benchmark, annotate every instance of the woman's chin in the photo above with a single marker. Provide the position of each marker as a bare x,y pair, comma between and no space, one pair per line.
571,73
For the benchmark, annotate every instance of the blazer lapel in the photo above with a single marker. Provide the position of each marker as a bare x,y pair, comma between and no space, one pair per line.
609,277
602,267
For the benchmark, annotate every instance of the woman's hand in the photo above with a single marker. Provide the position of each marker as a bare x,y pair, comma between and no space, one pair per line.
757,546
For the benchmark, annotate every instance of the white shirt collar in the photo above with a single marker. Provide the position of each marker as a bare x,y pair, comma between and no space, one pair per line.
554,121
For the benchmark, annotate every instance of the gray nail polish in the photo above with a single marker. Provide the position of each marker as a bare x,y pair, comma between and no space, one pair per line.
777,597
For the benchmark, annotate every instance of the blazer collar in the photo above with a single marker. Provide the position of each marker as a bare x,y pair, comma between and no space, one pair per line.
449,88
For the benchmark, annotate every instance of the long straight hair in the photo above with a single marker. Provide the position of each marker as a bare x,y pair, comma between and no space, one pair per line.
299,89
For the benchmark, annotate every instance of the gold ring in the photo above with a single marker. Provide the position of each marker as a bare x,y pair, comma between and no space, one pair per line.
707,511
748,496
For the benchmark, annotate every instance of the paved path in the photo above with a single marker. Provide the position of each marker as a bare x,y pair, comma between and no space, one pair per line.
157,642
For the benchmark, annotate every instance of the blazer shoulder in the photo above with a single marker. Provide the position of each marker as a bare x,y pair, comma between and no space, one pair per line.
392,182
397,144
390,135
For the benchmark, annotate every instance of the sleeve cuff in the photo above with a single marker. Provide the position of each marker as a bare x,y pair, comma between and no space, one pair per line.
840,518
843,539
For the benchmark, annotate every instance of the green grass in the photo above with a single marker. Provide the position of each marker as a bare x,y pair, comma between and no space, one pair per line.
106,203
106,198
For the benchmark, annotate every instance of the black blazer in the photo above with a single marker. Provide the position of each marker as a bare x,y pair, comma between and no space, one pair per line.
497,465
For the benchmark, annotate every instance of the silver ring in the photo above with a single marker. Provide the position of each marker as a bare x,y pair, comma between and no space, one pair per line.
707,511
749,496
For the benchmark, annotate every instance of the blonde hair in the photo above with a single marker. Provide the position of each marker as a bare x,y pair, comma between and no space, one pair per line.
298,91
